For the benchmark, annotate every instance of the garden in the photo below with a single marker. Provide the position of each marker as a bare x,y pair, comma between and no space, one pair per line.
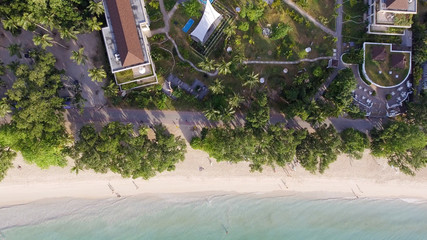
382,72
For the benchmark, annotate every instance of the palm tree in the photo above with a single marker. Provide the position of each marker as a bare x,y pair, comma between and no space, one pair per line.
78,56
10,24
97,74
68,33
207,65
27,21
2,68
96,8
93,24
252,80
211,113
235,100
224,68
217,88
4,107
43,40
15,49
230,30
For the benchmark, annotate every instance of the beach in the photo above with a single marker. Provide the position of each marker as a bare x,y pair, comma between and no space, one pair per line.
366,178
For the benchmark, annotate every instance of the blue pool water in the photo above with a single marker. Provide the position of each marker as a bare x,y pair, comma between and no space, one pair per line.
215,217
188,25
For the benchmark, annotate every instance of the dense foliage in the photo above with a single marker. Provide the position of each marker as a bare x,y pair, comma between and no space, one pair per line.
319,149
68,17
274,146
37,126
339,94
259,113
353,143
192,8
117,148
6,157
404,145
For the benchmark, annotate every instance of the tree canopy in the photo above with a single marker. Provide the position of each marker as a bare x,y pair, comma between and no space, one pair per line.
259,113
65,16
274,146
37,127
6,157
319,149
353,143
404,145
117,148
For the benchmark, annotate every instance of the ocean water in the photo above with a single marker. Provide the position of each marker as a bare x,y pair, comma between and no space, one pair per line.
215,217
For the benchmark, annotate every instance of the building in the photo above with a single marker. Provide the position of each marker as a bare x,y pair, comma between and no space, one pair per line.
126,42
390,17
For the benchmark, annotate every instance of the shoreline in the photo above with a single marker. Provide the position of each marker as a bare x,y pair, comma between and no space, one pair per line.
366,178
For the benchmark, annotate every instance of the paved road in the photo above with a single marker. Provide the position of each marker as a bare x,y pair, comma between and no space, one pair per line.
188,119
310,18
288,62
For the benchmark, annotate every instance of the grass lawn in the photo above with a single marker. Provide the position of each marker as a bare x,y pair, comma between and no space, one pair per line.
321,10
373,68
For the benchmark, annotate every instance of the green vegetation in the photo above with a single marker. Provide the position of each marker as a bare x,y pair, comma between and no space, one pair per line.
419,49
353,143
259,113
69,18
339,95
193,8
404,145
78,56
319,149
97,74
271,147
325,10
37,126
354,56
6,157
118,149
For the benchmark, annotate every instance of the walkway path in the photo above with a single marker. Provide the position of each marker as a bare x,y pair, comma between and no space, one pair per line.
341,65
310,18
187,119
288,62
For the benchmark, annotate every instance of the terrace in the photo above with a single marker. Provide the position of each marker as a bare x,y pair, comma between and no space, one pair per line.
385,67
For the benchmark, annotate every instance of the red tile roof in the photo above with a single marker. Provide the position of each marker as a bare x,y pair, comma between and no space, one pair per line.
125,32
397,4
398,60
378,53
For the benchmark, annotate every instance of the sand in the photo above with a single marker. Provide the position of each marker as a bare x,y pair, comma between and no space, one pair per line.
366,178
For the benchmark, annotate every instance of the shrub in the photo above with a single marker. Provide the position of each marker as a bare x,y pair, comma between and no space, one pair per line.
244,26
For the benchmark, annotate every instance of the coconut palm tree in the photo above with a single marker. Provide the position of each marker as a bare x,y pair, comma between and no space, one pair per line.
207,65
97,74
252,80
15,49
224,67
10,24
68,33
96,8
4,107
235,100
78,56
230,30
43,40
217,88
93,24
211,113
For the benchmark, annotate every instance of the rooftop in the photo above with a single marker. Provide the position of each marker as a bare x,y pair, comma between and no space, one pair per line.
399,5
124,39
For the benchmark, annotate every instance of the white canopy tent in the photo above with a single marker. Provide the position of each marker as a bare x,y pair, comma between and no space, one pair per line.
208,18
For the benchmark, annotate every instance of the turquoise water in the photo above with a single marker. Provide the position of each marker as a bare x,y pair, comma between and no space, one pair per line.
196,217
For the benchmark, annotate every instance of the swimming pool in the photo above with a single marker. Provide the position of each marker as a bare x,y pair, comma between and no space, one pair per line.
188,25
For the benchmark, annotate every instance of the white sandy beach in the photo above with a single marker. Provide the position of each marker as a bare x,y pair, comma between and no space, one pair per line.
369,177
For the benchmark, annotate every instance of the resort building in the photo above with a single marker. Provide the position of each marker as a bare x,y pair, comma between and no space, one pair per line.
126,42
390,17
